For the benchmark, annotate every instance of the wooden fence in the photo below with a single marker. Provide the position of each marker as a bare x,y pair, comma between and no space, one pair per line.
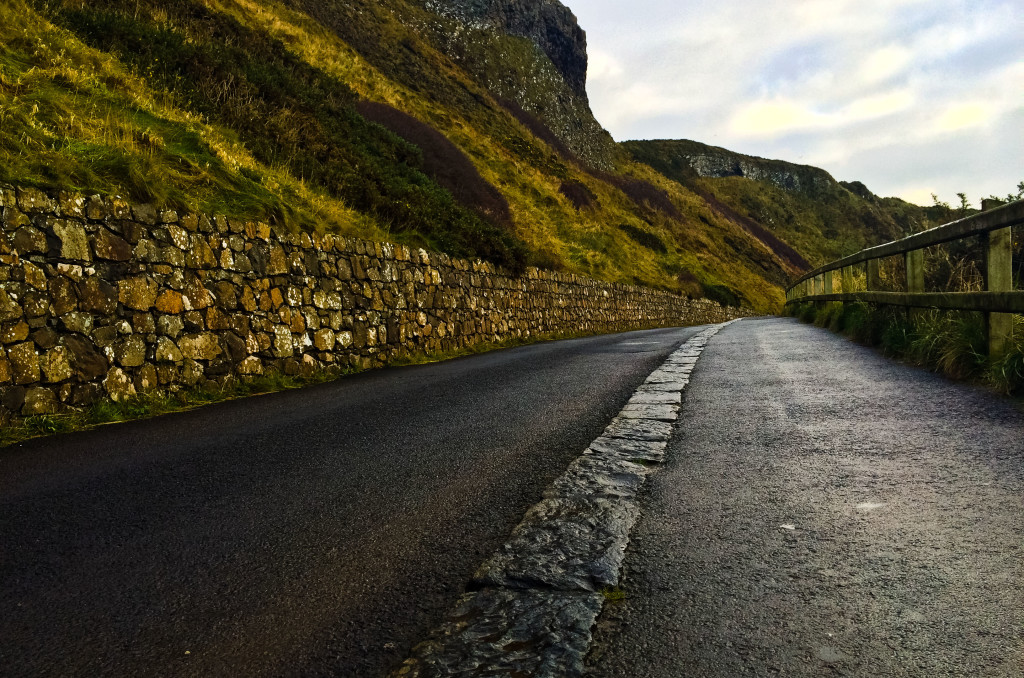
999,300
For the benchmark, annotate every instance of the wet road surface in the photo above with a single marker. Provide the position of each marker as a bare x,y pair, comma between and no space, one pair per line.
825,511
305,533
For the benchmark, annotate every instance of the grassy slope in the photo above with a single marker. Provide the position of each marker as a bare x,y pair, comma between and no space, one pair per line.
823,221
247,108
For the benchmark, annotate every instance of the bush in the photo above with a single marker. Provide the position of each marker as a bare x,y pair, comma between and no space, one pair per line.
642,193
646,239
578,194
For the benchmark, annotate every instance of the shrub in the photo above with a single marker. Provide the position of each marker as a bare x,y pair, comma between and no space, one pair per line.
642,193
578,194
645,239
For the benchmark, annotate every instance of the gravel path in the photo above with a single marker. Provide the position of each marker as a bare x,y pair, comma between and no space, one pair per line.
825,511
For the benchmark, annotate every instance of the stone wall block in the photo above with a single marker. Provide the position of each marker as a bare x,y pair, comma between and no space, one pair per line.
146,379
34,201
9,307
106,245
170,302
30,240
39,400
199,255
200,346
195,295
57,365
24,363
118,385
74,243
131,351
170,326
36,306
278,263
86,359
234,347
167,351
283,344
33,275
63,295
138,293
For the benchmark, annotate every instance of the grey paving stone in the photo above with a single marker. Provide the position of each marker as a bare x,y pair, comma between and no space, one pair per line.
659,412
667,386
503,632
646,397
605,476
624,448
568,544
638,429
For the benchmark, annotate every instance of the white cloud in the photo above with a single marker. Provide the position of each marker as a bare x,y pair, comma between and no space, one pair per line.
884,63
770,118
860,86
962,116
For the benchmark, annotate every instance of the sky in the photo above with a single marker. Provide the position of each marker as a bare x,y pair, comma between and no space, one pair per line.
911,97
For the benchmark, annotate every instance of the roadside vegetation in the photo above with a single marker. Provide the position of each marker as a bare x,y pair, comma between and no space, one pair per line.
951,343
147,405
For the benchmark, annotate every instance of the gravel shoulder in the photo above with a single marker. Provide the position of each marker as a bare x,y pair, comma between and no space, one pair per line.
825,511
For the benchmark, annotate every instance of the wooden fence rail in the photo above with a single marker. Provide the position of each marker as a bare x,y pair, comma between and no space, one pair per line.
999,301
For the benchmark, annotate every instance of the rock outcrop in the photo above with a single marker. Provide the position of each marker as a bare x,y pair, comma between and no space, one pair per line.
540,73
548,24
715,162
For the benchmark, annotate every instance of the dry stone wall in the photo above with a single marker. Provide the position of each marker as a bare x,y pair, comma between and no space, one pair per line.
103,299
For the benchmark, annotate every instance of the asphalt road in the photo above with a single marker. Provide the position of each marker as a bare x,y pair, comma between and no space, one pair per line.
825,511
305,533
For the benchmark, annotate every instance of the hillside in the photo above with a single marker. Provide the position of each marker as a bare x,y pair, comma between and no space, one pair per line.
459,126
786,205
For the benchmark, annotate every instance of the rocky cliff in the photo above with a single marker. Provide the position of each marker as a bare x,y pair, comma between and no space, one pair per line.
532,55
716,162
548,24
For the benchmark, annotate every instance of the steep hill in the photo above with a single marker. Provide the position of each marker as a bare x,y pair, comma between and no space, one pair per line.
462,126
786,205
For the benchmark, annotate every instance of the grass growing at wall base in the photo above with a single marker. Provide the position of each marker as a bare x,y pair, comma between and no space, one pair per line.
145,406
951,343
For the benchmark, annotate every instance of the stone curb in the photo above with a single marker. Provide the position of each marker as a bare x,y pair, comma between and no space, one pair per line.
532,604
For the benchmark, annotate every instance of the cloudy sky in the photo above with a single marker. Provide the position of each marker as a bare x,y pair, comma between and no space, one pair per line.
912,97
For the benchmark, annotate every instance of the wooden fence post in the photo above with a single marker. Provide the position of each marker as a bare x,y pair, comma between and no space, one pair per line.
874,277
914,263
827,281
915,271
847,279
999,278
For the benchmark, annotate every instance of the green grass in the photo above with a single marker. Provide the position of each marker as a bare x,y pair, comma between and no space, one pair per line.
613,594
145,406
